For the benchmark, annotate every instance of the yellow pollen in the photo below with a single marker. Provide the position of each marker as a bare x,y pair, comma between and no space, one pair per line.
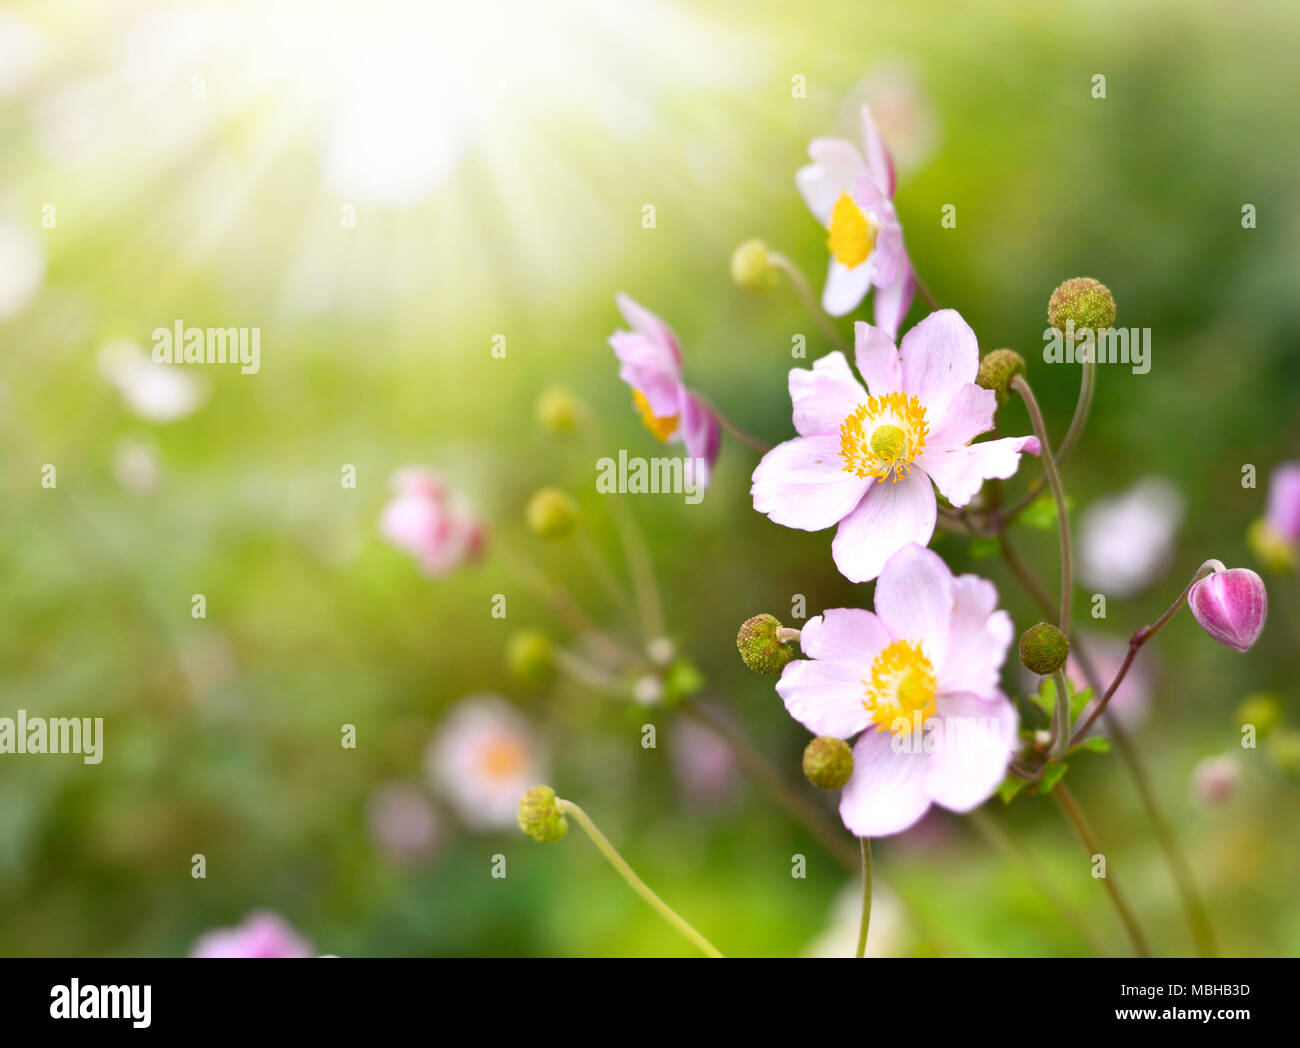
883,437
902,685
502,759
661,427
852,233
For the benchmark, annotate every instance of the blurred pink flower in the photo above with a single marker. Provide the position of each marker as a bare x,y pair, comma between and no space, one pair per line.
918,678
1283,518
650,359
903,112
1131,703
912,427
1215,779
263,934
431,522
1231,605
1126,541
850,193
403,823
483,758
703,763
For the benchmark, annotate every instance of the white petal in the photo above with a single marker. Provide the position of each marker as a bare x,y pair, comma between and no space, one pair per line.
940,355
978,638
877,359
825,396
889,517
802,484
849,635
836,163
960,472
845,287
969,413
979,738
825,697
887,791
914,600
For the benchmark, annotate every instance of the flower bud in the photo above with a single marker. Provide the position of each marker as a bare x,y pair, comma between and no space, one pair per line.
1284,751
759,647
1262,711
1231,606
1043,649
1084,301
751,268
557,410
1273,551
827,762
997,369
540,817
552,514
529,657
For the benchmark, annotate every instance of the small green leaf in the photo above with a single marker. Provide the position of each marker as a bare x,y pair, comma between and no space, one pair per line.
682,680
1041,513
1095,743
1052,774
982,549
1011,785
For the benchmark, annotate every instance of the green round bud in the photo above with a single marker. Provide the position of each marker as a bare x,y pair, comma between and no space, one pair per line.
539,815
552,514
1284,750
1263,711
759,647
1086,302
997,369
751,268
529,657
557,410
1273,551
827,762
1043,649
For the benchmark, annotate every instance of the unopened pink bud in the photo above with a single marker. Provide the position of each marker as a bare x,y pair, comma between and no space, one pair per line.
1231,606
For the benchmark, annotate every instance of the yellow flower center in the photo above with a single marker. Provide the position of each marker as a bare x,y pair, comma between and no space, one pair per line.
883,437
852,233
902,685
662,428
502,759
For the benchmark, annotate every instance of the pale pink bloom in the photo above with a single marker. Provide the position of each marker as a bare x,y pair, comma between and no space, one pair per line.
1215,780
1283,518
1126,541
903,112
865,459
263,934
918,678
484,757
703,763
851,194
431,522
1131,703
402,823
1231,605
650,359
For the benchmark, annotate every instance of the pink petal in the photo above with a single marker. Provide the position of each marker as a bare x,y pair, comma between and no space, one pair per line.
836,163
845,288
886,793
648,366
877,359
802,484
1284,502
893,301
940,355
825,396
914,599
970,413
1231,606
825,697
880,166
889,517
849,635
702,438
978,638
646,323
960,472
976,745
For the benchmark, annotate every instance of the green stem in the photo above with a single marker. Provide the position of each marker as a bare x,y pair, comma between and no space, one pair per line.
866,897
809,300
1058,493
1060,718
638,885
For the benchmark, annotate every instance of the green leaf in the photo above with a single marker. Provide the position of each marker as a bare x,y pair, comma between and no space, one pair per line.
1046,697
982,549
1041,513
1052,774
1095,743
1011,785
682,680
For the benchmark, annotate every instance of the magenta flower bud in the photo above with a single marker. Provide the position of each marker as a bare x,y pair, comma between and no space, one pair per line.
1284,502
1231,606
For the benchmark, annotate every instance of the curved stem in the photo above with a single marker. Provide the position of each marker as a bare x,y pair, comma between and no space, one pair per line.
809,300
745,438
1058,493
866,897
924,292
1087,387
638,885
1076,817
1060,718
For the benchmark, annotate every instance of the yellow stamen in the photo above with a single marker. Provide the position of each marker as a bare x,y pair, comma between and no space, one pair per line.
902,686
852,233
502,759
661,426
884,436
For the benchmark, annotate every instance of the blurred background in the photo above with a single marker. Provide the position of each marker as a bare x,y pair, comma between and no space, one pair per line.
388,191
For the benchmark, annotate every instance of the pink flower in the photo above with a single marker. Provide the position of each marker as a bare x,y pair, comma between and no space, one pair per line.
1215,780
912,425
1283,518
263,934
651,363
919,680
1231,606
428,520
850,193
402,823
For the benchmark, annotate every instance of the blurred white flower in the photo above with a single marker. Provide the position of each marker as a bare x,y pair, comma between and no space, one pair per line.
402,823
886,937
1126,541
483,758
903,112
154,392
22,268
1215,780
135,465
